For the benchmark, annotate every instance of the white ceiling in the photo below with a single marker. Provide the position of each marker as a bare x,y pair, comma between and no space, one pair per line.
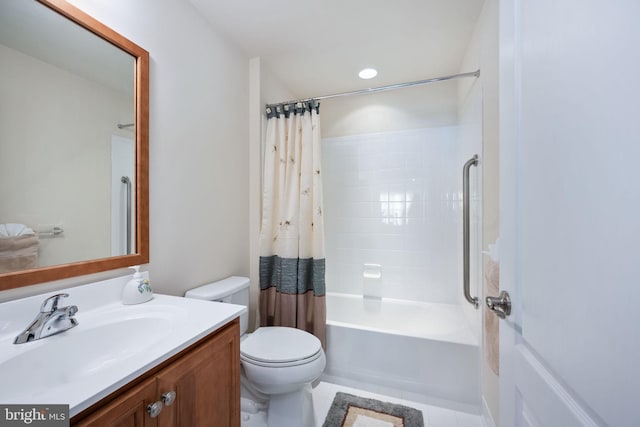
37,31
318,47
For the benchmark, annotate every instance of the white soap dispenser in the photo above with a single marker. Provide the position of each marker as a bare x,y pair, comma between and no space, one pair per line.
137,290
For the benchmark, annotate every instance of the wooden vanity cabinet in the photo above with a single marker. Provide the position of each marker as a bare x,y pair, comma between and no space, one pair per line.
128,409
205,378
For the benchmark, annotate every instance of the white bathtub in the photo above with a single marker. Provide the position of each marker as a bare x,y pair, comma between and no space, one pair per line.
417,351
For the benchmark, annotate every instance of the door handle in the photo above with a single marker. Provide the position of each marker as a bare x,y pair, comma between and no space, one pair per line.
500,305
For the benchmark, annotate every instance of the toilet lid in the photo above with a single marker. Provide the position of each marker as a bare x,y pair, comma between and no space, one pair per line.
279,344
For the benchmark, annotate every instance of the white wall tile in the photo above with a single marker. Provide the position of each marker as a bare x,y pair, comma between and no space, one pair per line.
392,199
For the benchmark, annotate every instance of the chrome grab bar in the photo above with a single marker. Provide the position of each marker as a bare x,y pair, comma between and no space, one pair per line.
465,230
127,181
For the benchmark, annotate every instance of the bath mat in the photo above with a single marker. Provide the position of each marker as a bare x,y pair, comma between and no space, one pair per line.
348,410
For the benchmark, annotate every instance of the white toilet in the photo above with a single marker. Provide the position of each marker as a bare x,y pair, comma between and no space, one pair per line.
278,363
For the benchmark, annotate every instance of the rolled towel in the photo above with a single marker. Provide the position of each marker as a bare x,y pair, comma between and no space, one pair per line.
18,253
13,229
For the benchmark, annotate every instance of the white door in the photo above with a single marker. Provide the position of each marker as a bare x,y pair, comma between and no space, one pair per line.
570,212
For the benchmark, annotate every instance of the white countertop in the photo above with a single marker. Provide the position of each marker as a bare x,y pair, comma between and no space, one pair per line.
112,345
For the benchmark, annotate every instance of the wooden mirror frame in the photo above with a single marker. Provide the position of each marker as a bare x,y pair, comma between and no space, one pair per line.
62,271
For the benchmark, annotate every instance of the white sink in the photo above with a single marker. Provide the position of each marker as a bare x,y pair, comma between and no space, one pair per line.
81,352
112,345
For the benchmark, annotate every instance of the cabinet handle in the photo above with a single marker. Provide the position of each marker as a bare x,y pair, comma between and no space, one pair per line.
168,397
154,409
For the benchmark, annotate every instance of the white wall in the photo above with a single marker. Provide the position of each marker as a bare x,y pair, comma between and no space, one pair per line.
482,53
199,144
53,132
417,107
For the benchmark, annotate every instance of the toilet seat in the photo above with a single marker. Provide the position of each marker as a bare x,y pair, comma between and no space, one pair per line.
245,359
279,346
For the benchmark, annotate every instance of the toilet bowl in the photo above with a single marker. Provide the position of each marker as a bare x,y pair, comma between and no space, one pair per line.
278,363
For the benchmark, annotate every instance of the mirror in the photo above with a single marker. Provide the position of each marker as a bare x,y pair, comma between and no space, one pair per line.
73,145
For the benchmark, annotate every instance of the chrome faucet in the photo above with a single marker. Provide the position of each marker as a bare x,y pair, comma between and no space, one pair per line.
49,321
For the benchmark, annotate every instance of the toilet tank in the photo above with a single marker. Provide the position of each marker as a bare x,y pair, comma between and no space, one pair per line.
233,290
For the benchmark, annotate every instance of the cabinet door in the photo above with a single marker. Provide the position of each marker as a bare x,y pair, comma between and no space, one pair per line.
127,410
206,382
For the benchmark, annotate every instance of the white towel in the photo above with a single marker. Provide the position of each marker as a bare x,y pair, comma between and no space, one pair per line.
13,229
18,253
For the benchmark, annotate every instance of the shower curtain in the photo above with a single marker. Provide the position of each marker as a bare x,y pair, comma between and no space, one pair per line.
292,256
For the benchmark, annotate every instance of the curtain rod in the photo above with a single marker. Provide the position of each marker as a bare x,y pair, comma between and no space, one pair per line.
384,88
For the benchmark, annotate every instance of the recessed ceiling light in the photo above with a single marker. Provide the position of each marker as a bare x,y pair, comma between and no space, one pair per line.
368,73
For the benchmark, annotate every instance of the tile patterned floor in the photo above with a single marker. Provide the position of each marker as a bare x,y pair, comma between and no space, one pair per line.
434,416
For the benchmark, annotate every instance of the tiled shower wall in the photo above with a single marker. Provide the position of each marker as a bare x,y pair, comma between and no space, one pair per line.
393,199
